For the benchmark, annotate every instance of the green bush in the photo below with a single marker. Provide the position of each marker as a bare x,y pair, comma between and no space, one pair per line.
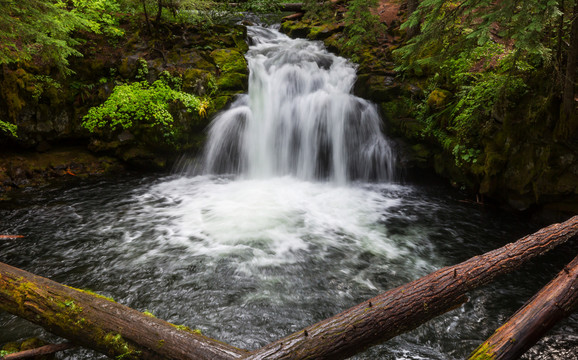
8,128
143,105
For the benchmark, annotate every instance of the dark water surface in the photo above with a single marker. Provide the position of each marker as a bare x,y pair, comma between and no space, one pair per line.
249,261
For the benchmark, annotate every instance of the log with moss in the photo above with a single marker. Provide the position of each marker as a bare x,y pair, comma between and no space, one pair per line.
408,306
103,325
98,323
553,303
285,7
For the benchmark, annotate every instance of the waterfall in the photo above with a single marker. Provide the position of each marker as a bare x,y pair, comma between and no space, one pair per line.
299,118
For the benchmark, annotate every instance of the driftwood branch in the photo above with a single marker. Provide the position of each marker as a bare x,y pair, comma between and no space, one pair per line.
43,350
98,323
408,306
554,302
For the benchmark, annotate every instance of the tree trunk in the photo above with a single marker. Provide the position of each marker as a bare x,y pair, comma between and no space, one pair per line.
101,324
148,22
159,12
568,122
410,305
554,302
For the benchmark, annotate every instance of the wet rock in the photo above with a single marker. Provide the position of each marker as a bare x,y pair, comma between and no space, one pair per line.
378,88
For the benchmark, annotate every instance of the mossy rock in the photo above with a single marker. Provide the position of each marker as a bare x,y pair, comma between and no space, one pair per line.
521,170
421,153
377,88
229,37
439,98
219,103
197,81
143,159
228,60
324,31
233,81
296,29
189,59
128,66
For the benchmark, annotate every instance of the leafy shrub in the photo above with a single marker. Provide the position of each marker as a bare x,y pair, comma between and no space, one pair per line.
142,105
8,128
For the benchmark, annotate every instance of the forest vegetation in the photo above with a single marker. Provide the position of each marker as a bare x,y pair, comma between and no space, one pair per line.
484,92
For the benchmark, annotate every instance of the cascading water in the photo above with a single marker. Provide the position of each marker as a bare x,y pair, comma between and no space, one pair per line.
249,259
299,118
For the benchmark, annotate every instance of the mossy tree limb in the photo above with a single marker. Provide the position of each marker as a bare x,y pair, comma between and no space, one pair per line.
97,323
408,306
554,302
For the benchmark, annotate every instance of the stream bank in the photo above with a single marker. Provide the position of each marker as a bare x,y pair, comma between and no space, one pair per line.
519,165
48,108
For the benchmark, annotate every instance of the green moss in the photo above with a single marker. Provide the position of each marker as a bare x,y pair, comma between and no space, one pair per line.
228,60
149,314
483,352
187,329
32,343
233,81
120,347
439,98
199,82
90,292
10,348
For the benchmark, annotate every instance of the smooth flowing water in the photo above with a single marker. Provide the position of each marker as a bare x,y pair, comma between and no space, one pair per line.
299,118
277,231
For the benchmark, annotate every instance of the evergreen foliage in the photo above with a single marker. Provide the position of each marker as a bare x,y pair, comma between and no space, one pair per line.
485,52
318,10
39,28
362,25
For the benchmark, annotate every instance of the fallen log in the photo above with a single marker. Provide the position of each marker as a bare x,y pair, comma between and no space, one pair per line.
554,302
43,350
408,306
99,323
118,331
288,7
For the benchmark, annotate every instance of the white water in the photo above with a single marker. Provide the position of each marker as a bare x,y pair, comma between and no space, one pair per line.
287,166
267,223
298,119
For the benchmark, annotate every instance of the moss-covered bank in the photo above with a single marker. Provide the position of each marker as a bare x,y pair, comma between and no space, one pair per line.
518,162
48,108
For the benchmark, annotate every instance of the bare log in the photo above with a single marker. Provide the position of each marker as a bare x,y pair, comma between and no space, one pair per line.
43,350
554,302
98,323
408,306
